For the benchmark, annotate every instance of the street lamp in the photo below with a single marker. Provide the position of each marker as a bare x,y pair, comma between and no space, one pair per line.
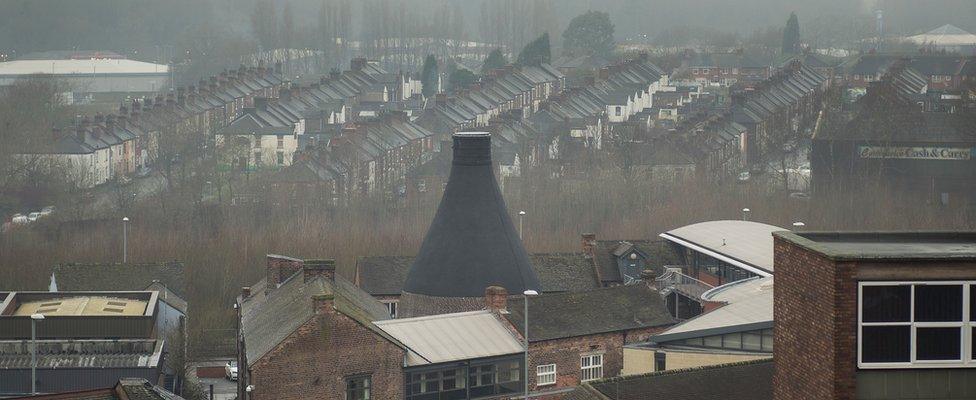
125,244
34,318
745,213
521,214
525,296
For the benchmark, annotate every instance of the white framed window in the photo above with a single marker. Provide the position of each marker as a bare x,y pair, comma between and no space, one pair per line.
936,78
916,324
617,111
392,307
591,367
545,375
695,71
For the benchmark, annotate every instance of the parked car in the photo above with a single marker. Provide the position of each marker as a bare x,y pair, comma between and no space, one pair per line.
19,219
47,211
800,196
743,177
230,370
33,216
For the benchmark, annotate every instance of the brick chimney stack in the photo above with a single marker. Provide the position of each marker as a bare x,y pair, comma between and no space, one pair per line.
245,292
312,269
496,299
589,244
279,269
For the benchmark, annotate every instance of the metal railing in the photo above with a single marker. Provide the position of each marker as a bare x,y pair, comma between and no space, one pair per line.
672,280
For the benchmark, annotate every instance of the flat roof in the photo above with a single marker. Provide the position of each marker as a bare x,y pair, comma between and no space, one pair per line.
452,337
81,67
83,306
746,244
887,245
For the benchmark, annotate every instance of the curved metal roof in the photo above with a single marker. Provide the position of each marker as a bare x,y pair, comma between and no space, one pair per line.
472,243
746,244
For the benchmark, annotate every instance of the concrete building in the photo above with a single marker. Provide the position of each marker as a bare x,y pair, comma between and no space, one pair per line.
875,315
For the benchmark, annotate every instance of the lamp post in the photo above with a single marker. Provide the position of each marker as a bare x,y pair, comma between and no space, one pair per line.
526,295
125,238
34,318
521,214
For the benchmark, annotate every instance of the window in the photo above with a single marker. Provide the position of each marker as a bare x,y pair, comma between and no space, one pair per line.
392,307
280,157
545,374
281,142
660,361
257,158
357,388
617,111
591,367
936,78
916,324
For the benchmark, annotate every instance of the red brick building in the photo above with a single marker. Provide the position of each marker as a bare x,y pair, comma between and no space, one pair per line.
875,316
577,337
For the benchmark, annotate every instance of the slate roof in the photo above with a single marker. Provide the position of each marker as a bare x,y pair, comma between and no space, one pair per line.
125,353
750,380
119,277
572,314
126,389
557,272
471,243
267,318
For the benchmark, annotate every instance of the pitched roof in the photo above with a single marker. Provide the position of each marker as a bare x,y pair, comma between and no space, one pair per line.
126,389
123,353
267,318
119,277
451,337
571,314
750,380
557,272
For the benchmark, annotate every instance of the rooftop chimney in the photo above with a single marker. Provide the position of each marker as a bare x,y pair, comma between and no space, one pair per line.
279,269
496,299
589,244
472,243
312,269
245,292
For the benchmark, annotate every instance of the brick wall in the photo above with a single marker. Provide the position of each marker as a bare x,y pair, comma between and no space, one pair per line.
315,359
278,268
815,311
565,353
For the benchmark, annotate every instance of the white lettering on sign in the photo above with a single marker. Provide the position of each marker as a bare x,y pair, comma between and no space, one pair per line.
917,153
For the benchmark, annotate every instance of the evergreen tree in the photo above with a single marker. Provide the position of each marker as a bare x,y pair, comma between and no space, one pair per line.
536,52
429,76
589,33
461,78
494,60
791,35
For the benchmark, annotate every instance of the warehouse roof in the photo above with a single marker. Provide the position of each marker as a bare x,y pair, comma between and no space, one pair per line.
134,353
749,307
82,67
452,337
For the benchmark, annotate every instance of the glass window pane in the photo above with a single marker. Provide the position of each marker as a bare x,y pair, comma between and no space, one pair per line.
751,341
972,304
937,344
713,341
732,341
885,344
886,303
938,303
972,338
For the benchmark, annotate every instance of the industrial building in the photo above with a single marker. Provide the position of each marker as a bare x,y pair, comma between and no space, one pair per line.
88,77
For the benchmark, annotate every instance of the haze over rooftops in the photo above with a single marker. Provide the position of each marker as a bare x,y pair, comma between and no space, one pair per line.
746,244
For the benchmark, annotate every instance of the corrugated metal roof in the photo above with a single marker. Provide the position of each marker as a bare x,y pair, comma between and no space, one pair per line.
746,244
451,337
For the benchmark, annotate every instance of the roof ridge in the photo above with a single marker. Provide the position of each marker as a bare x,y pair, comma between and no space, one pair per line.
686,370
431,317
